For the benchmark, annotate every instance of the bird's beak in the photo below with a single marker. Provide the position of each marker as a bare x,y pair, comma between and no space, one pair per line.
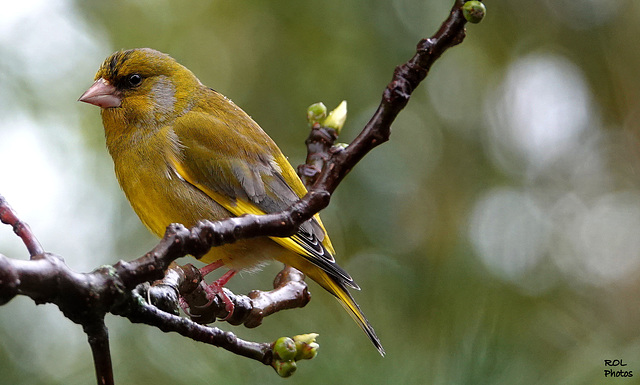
102,94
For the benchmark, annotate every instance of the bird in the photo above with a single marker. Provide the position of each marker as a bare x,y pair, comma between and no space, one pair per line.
184,153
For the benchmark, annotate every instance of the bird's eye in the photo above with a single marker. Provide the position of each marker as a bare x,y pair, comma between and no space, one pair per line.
134,80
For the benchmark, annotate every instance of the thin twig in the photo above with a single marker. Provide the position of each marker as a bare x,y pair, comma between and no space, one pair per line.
8,216
141,312
98,337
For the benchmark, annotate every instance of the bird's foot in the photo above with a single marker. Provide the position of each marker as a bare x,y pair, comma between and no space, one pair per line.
217,288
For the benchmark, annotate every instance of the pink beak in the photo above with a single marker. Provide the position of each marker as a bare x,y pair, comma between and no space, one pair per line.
102,94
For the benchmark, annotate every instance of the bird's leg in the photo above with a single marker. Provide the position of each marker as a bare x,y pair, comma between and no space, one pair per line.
216,288
203,272
211,267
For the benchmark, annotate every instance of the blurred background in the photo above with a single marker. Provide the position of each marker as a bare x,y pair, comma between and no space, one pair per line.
496,236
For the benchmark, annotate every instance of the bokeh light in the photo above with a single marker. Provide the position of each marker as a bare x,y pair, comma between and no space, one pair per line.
538,113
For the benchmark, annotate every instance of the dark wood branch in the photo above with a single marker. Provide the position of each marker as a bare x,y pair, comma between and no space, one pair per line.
138,311
289,292
395,97
98,337
9,217
319,144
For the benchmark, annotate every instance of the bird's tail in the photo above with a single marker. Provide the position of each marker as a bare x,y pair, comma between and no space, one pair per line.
346,300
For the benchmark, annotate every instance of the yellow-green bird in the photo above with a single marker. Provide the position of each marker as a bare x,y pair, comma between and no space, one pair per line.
182,153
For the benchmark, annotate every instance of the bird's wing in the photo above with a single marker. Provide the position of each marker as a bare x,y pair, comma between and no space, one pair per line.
243,170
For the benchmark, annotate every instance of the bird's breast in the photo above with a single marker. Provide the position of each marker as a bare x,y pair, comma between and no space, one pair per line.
157,193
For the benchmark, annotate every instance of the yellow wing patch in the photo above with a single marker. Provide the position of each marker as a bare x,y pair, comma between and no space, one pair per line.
237,207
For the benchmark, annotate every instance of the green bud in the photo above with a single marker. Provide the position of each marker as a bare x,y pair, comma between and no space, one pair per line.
341,146
337,117
284,368
306,346
474,11
316,112
284,349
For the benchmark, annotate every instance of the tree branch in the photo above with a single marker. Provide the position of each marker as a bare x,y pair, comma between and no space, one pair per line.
137,310
9,217
289,291
98,337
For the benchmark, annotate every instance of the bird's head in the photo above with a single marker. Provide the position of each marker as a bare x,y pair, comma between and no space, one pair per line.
142,86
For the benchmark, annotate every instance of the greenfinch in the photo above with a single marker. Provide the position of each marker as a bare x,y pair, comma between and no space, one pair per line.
183,152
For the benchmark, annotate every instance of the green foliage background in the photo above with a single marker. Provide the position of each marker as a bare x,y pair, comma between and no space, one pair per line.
494,236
